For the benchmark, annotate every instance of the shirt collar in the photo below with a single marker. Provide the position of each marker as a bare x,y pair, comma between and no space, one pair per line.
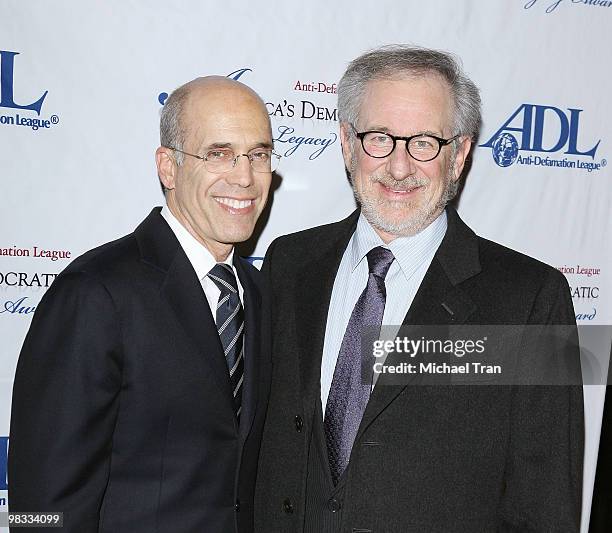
199,256
410,252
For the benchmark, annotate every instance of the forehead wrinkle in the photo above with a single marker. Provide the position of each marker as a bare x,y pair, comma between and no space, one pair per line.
234,134
384,129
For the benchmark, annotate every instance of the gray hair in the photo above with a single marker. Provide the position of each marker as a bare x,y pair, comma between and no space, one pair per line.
171,131
397,61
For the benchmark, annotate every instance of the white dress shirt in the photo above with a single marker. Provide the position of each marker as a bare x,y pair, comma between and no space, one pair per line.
413,255
201,260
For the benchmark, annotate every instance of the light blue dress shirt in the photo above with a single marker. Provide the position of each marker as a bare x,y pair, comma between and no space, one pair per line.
413,255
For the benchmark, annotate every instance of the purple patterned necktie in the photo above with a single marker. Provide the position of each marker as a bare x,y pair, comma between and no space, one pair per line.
349,393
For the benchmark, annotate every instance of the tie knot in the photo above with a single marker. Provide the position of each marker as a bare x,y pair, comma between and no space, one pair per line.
223,277
379,261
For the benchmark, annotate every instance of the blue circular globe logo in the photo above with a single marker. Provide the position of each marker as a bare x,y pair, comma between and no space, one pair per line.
505,149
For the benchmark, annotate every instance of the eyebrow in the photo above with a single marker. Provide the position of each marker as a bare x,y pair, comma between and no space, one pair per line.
212,146
384,129
378,128
263,145
218,145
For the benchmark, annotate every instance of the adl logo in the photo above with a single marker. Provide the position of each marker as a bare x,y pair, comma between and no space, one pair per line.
3,462
7,67
7,98
543,130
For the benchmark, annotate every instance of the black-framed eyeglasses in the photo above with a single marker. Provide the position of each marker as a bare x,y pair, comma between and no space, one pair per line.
224,159
422,146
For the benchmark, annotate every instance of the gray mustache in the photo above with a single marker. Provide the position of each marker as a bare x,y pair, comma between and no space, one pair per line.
400,185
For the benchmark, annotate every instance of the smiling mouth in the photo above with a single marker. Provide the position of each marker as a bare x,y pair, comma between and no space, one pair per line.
234,203
400,191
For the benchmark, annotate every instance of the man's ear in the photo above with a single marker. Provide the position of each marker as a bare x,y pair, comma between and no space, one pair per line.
347,144
166,167
462,152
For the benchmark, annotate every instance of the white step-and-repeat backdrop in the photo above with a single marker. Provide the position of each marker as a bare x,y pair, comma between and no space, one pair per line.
82,84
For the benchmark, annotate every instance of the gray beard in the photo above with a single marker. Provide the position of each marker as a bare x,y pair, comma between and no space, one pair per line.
420,215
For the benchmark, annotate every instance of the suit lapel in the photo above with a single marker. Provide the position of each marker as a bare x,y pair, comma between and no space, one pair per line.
184,293
182,290
439,300
252,308
313,296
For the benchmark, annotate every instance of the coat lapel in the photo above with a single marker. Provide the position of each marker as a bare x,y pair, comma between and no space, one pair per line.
313,296
439,300
182,290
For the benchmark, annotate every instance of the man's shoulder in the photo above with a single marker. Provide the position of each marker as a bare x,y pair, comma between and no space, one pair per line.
100,277
512,270
514,288
464,250
310,234
107,258
493,254
312,239
151,243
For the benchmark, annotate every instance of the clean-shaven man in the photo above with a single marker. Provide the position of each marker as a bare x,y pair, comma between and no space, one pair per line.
140,390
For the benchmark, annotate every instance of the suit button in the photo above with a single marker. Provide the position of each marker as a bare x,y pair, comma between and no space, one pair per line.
333,505
237,506
299,423
288,506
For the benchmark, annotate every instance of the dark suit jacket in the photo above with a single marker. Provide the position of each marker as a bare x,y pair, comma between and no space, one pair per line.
601,507
122,413
426,458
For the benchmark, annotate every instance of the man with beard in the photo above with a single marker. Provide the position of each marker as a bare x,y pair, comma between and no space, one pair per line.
343,452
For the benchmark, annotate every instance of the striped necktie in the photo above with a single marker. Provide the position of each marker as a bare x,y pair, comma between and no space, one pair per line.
230,325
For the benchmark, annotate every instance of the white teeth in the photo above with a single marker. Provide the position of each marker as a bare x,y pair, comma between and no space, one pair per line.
233,203
404,190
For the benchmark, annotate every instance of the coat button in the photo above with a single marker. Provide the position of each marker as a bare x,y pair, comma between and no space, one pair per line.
237,506
299,423
333,505
288,506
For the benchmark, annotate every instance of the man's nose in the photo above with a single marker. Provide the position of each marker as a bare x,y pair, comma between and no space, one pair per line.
242,172
400,164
